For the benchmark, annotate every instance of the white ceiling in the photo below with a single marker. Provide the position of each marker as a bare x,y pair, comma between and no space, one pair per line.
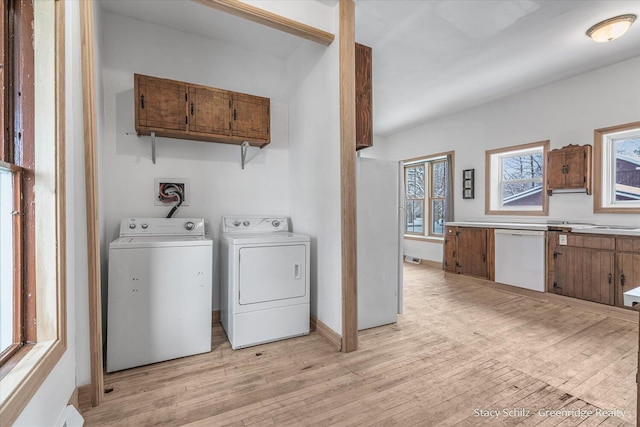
434,58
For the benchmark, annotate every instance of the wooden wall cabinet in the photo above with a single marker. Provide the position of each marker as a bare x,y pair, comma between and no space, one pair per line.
569,168
364,97
183,110
598,268
467,250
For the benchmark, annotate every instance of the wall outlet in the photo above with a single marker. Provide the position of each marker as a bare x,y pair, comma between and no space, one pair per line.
562,239
164,187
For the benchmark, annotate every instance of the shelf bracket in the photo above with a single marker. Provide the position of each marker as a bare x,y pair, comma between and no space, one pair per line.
153,147
243,153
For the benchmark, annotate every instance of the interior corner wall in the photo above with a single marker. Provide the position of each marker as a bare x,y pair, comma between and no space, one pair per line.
314,139
49,401
564,112
218,185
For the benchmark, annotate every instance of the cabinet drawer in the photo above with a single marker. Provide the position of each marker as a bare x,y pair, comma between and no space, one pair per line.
628,244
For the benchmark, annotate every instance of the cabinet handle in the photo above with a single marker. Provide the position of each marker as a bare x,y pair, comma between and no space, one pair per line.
610,278
622,279
192,108
484,258
142,102
235,115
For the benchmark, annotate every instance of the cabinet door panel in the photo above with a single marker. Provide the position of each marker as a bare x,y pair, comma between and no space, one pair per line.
209,111
575,168
472,251
555,171
161,104
584,273
450,249
364,97
627,275
251,117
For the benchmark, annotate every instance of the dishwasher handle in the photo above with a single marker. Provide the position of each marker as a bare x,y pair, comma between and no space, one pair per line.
516,232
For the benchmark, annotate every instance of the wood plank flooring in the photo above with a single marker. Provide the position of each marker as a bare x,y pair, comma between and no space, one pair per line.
461,354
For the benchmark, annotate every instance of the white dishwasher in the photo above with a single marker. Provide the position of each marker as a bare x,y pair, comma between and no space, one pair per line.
520,258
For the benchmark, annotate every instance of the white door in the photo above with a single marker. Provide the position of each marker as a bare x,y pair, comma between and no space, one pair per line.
272,273
379,268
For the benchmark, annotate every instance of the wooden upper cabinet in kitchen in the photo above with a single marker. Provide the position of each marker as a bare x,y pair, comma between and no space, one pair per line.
569,168
160,105
209,111
364,97
250,117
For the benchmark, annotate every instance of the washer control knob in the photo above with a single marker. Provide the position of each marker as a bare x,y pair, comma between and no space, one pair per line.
236,223
246,223
275,223
132,225
189,225
145,226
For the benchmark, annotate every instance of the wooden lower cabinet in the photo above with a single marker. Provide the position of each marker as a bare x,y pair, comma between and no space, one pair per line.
466,251
585,273
450,240
598,268
627,274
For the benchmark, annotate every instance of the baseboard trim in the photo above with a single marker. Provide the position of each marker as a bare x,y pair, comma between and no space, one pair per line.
426,263
84,397
593,307
215,317
329,334
73,400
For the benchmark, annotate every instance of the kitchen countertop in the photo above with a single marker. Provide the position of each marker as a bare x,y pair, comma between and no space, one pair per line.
576,228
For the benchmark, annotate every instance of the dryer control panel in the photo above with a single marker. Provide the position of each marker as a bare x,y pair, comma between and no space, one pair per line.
254,224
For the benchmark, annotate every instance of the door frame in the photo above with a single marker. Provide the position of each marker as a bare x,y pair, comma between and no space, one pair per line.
347,120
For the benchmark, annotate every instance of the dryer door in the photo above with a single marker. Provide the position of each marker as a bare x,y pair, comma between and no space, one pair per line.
271,273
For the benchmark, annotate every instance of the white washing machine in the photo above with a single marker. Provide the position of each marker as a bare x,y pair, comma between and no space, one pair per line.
159,303
265,280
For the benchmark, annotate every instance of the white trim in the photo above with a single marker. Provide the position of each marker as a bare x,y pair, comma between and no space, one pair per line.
608,183
496,200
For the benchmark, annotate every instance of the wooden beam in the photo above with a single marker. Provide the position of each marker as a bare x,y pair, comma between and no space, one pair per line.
91,179
264,17
348,176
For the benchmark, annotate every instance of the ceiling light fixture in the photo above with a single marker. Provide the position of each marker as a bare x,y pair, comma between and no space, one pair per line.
611,28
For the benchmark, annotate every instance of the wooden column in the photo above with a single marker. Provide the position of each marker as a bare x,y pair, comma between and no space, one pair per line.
348,176
91,179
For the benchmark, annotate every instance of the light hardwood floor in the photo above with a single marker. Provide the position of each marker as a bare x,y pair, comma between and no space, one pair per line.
460,347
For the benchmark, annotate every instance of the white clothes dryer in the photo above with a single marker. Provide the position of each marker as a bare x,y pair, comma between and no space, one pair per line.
159,302
265,280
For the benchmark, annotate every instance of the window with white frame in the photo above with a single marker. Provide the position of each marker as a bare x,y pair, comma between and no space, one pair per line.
617,169
515,180
426,196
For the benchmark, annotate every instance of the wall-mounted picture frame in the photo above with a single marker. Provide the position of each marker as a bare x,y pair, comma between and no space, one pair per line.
468,183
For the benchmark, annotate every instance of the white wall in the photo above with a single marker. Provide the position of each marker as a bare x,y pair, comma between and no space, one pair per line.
47,404
314,139
565,112
218,185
